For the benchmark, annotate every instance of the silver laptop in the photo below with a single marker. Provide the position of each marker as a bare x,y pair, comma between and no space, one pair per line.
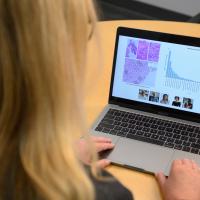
153,113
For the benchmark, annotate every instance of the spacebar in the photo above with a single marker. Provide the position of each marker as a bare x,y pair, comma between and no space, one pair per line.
144,139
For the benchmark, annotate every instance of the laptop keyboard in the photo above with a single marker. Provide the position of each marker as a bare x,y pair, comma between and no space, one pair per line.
152,130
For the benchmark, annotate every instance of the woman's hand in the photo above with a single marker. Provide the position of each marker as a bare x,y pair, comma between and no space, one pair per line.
183,182
100,144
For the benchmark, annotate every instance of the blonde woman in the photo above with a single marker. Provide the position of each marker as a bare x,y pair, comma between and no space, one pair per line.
42,74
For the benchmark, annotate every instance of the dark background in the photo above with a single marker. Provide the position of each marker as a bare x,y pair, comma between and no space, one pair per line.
129,9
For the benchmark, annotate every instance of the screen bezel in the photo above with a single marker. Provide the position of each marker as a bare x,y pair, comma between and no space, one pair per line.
157,36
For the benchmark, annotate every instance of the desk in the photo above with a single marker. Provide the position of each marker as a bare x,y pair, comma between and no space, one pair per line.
99,72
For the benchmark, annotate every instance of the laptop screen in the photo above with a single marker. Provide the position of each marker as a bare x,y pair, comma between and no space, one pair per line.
157,72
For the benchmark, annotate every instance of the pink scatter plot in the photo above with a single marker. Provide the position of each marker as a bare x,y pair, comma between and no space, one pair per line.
142,50
131,49
135,71
154,51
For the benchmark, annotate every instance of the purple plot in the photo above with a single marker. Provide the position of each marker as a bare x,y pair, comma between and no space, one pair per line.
142,50
131,49
135,71
154,51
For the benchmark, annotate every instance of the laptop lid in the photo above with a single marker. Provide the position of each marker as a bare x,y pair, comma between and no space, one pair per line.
156,72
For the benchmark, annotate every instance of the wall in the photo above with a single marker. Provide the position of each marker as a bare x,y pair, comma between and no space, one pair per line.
188,7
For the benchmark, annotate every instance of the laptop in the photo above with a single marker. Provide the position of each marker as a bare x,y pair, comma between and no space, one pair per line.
153,112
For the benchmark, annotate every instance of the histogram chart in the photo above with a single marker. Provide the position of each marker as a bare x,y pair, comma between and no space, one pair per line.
176,81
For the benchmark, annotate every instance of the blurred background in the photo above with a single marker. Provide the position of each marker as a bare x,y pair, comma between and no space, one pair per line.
170,10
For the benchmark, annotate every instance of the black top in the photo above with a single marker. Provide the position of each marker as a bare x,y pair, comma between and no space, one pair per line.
110,189
104,189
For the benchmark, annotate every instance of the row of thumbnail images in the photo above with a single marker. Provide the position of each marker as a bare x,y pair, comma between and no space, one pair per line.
164,98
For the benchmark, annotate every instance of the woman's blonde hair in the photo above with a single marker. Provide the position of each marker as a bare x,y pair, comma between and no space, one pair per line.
42,67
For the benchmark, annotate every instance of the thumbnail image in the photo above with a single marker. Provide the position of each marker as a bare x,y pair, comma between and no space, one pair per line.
164,99
154,96
143,94
176,101
187,103
131,49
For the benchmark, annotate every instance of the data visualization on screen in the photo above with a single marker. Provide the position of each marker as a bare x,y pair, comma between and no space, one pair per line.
159,73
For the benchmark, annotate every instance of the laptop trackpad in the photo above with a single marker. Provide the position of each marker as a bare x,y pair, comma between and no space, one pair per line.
148,157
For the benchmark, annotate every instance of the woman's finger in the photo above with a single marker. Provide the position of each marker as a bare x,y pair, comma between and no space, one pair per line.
103,163
104,146
161,180
101,139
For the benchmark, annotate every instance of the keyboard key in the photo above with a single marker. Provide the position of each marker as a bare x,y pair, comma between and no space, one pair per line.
151,121
182,127
106,125
131,116
162,138
161,132
124,129
132,131
107,121
106,130
197,130
117,114
178,142
185,148
193,135
125,120
132,126
117,123
173,125
195,145
168,125
118,128
171,140
145,129
122,134
169,129
99,128
161,128
192,140
118,118
184,133
186,143
136,127
139,128
190,128
178,147
154,126
193,150
153,130
167,134
108,116
140,133
139,123
198,135
132,121
124,124
146,124
177,131
176,136
114,132
111,112
122,114
147,134
185,138
125,115
155,137
169,144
